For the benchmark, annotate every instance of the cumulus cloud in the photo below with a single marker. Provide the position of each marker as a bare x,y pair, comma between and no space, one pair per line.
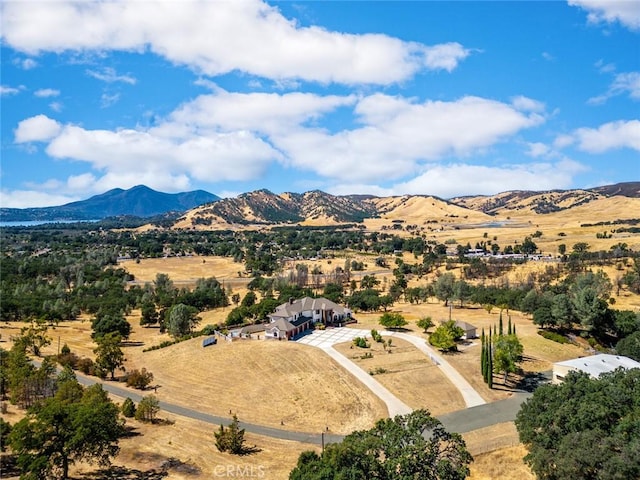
6,90
219,37
37,129
463,179
226,136
46,92
609,136
627,12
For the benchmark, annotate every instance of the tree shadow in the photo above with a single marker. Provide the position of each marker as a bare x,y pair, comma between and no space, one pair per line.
130,432
249,450
117,472
532,380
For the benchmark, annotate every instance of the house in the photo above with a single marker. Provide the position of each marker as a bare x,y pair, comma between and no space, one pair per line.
297,316
594,365
469,330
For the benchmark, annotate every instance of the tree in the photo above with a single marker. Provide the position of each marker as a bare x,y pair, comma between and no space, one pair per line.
409,446
65,429
35,337
630,346
128,408
109,355
584,427
507,353
445,336
147,409
392,320
110,323
181,319
231,439
425,323
443,287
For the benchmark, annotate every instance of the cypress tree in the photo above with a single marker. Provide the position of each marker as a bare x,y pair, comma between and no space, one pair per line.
490,362
514,329
501,330
509,331
483,357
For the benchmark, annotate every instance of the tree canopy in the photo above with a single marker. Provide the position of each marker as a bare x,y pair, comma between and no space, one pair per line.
405,447
75,425
584,427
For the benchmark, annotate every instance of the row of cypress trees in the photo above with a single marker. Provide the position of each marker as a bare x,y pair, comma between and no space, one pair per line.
486,355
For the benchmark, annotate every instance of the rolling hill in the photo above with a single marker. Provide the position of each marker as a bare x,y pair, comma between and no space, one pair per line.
140,201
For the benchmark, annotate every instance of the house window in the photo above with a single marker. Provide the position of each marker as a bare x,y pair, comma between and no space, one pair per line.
275,334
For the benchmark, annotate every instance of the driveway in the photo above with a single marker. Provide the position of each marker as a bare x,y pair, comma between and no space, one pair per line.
325,339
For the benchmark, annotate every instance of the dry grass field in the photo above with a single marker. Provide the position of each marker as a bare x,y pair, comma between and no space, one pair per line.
409,375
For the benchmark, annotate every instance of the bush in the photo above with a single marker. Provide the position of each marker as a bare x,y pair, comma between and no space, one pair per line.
139,379
556,337
147,409
376,336
86,366
360,342
69,359
128,408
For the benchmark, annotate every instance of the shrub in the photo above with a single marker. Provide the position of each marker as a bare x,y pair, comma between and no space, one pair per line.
376,336
139,379
556,337
69,359
360,342
86,366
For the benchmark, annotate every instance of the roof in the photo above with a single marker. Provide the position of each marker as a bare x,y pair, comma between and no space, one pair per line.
596,365
289,309
465,326
282,325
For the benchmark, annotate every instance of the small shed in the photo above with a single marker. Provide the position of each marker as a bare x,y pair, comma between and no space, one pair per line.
470,331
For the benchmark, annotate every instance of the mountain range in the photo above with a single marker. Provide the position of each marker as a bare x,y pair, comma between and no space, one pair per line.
139,201
203,210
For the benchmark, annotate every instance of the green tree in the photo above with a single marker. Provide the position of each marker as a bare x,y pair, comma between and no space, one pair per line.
231,439
66,429
110,323
443,287
148,408
139,379
35,337
584,428
445,336
392,320
630,346
412,446
181,319
109,355
425,323
128,408
507,352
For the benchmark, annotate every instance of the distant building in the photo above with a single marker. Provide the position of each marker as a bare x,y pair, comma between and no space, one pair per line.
594,365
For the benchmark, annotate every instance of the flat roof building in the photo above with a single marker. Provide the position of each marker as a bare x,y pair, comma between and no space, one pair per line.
594,365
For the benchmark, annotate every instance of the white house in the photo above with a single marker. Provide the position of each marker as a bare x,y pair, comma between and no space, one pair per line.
594,365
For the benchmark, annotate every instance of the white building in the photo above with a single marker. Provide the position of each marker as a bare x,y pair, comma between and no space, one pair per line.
594,365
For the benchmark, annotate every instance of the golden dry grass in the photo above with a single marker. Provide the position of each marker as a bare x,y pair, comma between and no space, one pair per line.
409,375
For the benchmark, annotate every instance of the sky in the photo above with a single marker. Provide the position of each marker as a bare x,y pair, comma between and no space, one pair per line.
444,98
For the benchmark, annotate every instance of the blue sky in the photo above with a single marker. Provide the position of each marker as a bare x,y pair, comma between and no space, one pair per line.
441,98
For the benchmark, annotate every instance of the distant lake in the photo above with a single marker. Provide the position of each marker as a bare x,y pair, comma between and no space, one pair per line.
32,223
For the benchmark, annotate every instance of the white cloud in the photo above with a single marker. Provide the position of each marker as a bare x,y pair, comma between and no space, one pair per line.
33,198
609,136
219,37
6,90
622,83
36,129
397,135
106,100
526,104
55,106
26,63
46,93
447,181
627,12
109,75
538,149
